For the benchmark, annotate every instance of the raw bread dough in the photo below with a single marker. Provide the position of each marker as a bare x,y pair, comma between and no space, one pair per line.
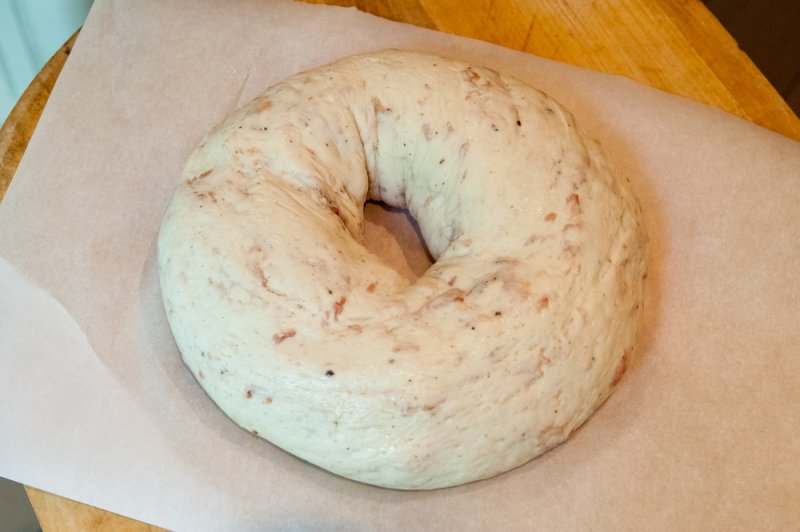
506,345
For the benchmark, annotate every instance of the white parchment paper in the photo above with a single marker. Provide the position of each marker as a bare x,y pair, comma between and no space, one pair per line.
95,405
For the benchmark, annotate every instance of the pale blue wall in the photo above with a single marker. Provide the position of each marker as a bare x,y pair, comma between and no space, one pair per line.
31,31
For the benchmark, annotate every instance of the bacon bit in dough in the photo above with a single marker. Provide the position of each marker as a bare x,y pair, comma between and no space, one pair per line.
574,201
378,107
471,76
405,347
621,369
338,307
267,400
249,394
278,338
452,281
198,177
543,303
570,251
557,431
544,360
372,286
262,104
550,217
262,277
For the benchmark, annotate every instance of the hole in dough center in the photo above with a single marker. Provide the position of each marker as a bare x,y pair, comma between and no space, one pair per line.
393,235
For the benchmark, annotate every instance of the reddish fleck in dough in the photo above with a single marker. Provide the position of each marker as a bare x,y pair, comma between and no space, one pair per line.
503,348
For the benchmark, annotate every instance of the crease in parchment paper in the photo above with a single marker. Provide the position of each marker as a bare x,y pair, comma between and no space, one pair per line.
35,327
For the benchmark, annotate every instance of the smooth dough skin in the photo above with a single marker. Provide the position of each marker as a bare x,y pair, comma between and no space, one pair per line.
507,344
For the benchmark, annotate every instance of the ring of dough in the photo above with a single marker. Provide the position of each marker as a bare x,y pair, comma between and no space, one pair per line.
506,345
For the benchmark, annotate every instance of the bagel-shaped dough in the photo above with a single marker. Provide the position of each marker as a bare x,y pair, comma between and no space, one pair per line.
506,345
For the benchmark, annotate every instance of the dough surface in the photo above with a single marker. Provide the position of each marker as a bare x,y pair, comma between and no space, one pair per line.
504,347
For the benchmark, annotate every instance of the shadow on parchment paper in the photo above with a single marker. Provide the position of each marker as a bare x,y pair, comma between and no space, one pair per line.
399,227
394,236
656,227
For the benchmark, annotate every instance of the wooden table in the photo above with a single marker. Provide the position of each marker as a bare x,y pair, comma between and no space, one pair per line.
675,46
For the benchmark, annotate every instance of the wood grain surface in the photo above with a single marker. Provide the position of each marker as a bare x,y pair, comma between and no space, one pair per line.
21,122
676,46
